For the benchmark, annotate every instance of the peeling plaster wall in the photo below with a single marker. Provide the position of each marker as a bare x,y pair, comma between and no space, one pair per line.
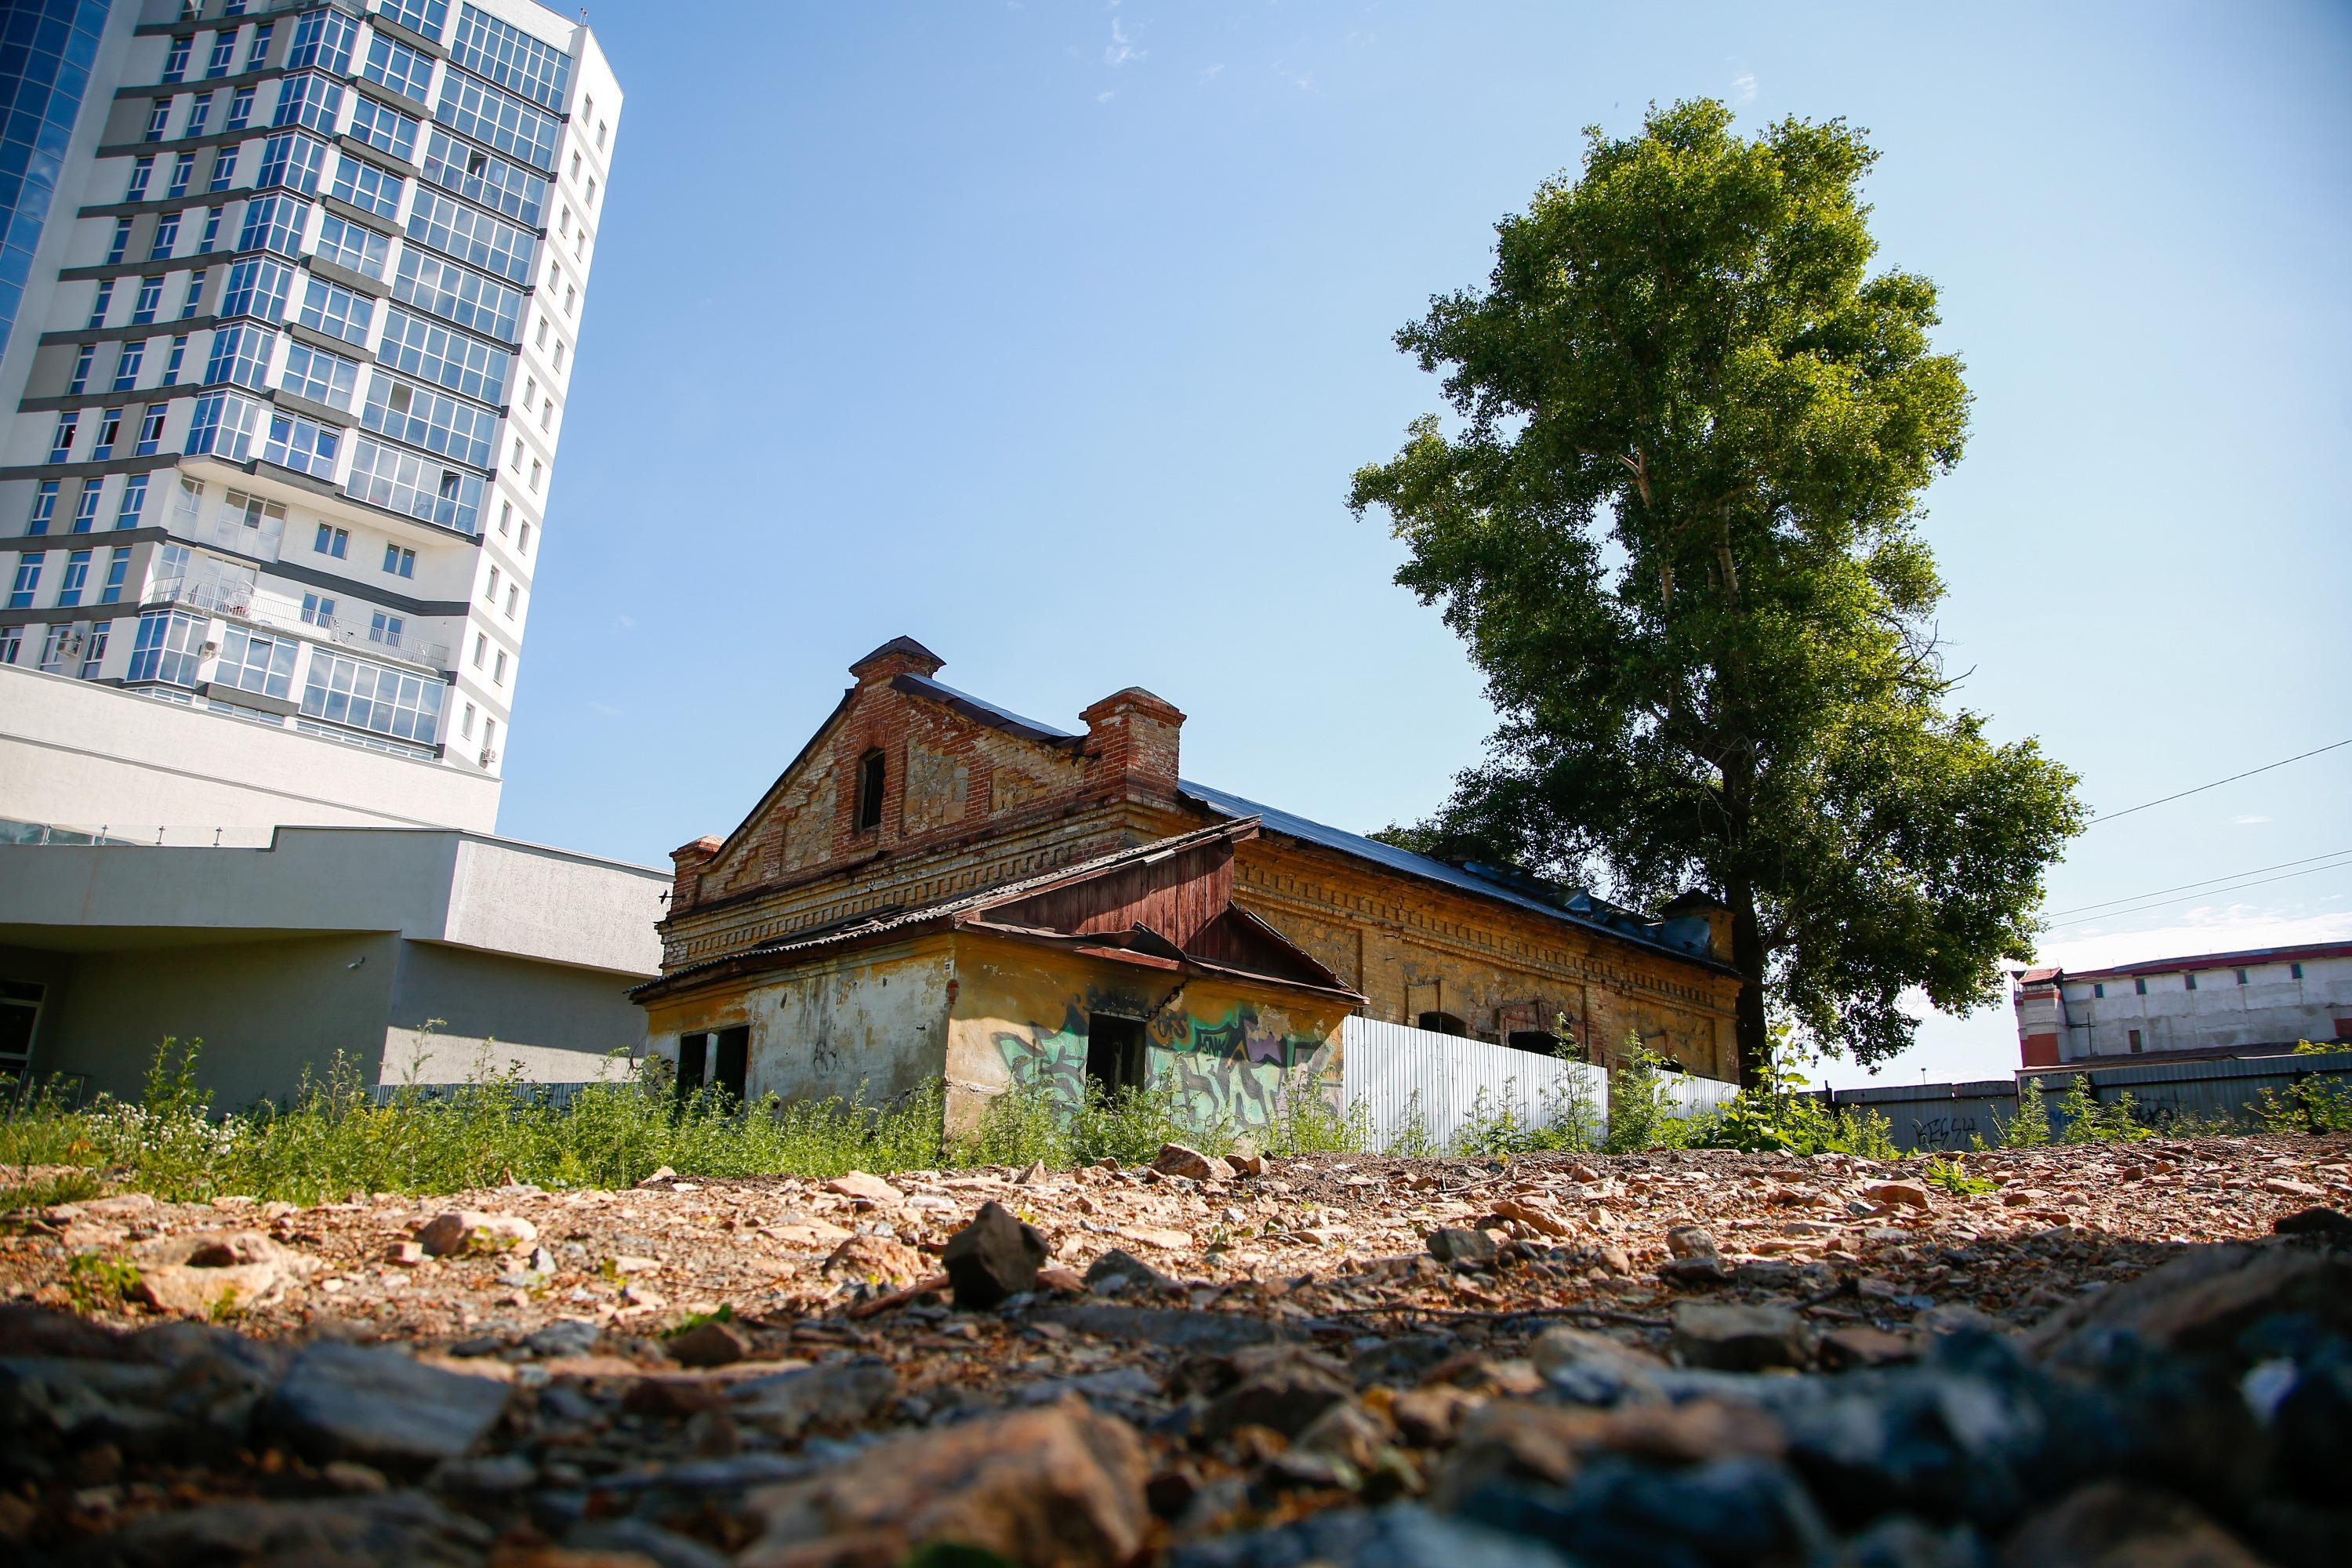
1021,1013
870,1024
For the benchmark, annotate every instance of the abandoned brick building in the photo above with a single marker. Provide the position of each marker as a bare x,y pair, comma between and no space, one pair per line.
830,941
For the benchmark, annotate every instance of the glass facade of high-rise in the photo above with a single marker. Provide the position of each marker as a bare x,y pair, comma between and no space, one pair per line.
46,50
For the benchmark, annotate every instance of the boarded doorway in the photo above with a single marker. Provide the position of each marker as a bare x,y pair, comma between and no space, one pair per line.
1115,1052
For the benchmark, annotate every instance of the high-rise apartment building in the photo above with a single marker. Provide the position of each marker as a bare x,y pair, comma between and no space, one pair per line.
290,294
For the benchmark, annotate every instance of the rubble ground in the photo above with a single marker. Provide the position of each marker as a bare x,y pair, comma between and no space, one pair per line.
1341,1357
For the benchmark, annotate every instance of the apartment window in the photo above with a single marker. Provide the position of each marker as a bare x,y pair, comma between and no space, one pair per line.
463,364
241,356
94,650
175,61
547,414
473,237
481,648
515,461
256,289
224,168
303,445
591,193
322,39
477,110
2191,978
406,71
2241,976
119,245
512,58
294,160
2295,970
522,541
171,364
192,502
338,312
55,647
407,482
384,628
240,110
423,417
379,125
499,668
600,136
167,237
45,507
76,575
489,739
110,427
308,100
543,333
368,187
151,295
559,353
570,300
332,541
275,223
400,562
485,178
321,376
102,303
506,517
86,509
212,231
2134,1041
426,17
118,567
350,246
224,424
224,51
141,170
514,593
871,777
252,661
261,36
2099,991
134,502
318,611
61,443
29,582
2139,987
491,594
80,378
184,169
199,112
537,470
466,723
156,116
195,295
151,431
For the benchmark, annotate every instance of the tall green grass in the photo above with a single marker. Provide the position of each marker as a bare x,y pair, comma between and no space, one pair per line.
331,1138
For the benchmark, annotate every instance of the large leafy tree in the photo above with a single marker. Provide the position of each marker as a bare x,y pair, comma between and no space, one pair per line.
1677,521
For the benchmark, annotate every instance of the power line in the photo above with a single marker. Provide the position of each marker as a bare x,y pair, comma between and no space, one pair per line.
2217,784
2183,887
2259,881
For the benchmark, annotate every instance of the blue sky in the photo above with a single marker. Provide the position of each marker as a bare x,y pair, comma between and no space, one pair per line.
1049,334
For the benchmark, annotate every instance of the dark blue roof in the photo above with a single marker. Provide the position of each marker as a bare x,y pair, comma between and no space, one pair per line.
1277,821
947,693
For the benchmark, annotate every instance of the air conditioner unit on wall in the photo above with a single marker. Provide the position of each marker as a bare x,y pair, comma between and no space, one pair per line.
488,756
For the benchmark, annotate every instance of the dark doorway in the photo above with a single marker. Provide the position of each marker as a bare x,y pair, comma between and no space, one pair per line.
1442,1023
1115,1052
1541,1042
732,1068
693,1062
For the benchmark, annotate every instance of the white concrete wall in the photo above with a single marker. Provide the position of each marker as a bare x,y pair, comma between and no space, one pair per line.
2272,1008
79,754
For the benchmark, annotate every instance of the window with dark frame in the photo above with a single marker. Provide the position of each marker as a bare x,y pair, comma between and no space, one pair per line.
871,776
2134,1042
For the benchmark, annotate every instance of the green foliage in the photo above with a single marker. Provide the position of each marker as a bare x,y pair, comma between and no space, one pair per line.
1643,1112
1030,1123
1567,1117
95,1282
1413,1141
2310,1104
2090,1120
2030,1128
1677,526
1954,1178
1774,1111
31,1192
693,1321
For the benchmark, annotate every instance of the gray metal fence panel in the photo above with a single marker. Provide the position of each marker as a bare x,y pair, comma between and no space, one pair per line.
1400,1075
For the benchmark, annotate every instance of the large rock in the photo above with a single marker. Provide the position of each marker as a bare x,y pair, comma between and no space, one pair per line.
1723,1337
858,1184
2200,1302
996,1256
1176,1160
2114,1524
1055,1488
1406,1536
406,1529
1457,1244
839,1394
350,1402
456,1233
1587,1368
1116,1270
1284,1387
878,1260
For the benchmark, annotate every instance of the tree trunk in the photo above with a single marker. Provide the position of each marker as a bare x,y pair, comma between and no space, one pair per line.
1754,1038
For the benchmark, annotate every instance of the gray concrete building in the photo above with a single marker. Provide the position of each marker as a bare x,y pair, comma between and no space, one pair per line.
424,956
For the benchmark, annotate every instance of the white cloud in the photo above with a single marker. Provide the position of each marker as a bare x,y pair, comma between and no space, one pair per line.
626,622
1122,49
2247,821
1743,89
1210,73
1105,96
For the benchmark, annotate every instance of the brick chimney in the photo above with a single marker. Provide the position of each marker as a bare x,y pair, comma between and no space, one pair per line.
1132,735
687,862
899,656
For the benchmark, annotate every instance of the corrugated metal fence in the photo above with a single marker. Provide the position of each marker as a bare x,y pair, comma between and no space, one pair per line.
1948,1115
1420,1088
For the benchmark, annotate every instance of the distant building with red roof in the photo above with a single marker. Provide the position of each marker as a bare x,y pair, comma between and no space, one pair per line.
2259,1002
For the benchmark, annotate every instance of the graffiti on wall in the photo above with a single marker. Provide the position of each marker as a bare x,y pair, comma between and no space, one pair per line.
1232,1065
